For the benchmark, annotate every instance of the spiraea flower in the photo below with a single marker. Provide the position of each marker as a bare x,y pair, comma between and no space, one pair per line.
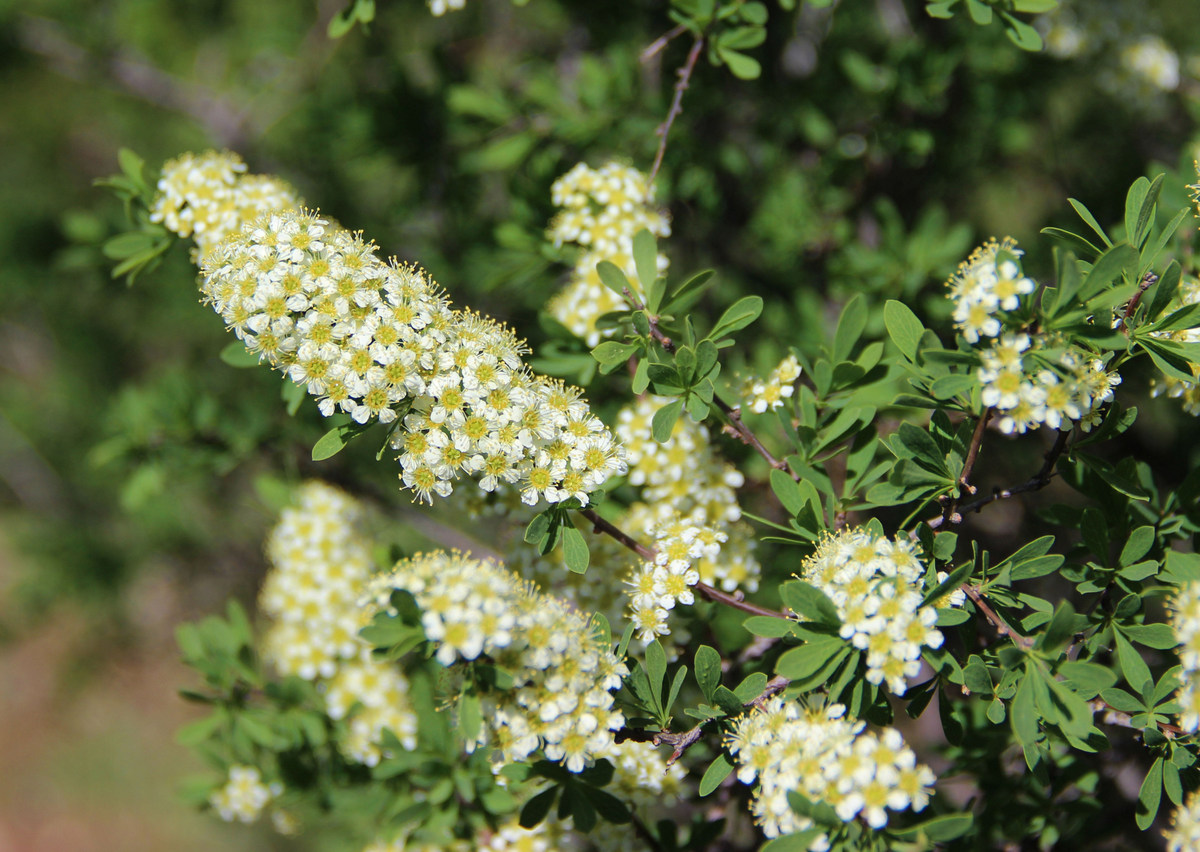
441,7
320,567
657,586
1151,60
768,394
819,753
877,585
601,211
560,700
988,283
244,796
209,196
379,341
1185,618
1184,833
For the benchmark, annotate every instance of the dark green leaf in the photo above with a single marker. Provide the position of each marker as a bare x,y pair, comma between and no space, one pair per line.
645,259
575,549
807,600
717,772
903,327
664,419
1150,795
739,315
1133,667
708,671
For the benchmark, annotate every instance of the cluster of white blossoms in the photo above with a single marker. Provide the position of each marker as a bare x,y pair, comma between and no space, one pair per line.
441,7
1188,393
1151,61
368,337
244,796
987,284
321,566
1029,380
208,197
1030,383
1184,833
827,758
762,395
602,209
877,585
560,700
657,586
1185,619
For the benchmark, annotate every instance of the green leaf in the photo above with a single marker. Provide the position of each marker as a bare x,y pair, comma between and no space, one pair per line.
1139,544
739,315
851,324
743,67
613,278
940,829
664,419
470,716
645,259
1023,715
1086,216
1150,795
691,286
707,671
1165,290
1087,679
335,440
768,626
1072,241
1021,34
656,668
1115,263
235,354
612,352
903,327
1158,635
807,600
717,772
575,549
950,386
539,527
536,809
799,841
804,661
956,578
1133,667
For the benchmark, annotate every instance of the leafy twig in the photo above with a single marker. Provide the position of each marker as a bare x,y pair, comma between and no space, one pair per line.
1148,281
656,46
742,432
995,620
1038,481
950,504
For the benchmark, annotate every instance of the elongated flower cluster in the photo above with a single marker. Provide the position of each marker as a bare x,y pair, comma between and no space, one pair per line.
878,584
827,758
209,196
1188,393
1031,383
1030,380
1184,833
367,337
562,674
657,586
766,394
244,796
985,286
602,209
1185,618
321,568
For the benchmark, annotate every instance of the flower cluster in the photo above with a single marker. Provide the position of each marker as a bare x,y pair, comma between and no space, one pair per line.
368,337
562,674
656,587
602,209
877,585
441,7
988,283
763,394
1030,383
1029,380
1188,393
1184,833
1185,618
321,568
244,796
827,758
208,197
1151,61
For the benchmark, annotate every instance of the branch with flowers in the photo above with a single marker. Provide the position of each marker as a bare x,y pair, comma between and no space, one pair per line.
769,607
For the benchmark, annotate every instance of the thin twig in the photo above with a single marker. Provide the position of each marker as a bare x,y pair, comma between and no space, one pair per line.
1038,481
685,77
742,432
995,620
647,554
1148,281
950,504
656,46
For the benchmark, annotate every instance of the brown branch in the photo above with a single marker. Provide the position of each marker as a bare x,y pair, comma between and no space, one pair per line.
1038,481
685,77
742,432
656,46
647,554
950,504
1002,628
1148,281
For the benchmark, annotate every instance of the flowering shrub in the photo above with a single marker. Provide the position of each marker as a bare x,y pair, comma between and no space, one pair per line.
696,613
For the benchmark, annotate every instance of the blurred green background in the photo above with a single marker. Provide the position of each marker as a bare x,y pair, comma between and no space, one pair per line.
877,148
